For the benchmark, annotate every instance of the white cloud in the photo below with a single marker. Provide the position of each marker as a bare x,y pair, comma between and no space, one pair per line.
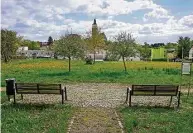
39,19
187,21
157,13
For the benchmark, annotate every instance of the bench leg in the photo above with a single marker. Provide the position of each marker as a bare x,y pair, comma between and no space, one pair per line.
127,95
14,98
179,93
8,97
170,101
21,96
65,93
62,96
129,99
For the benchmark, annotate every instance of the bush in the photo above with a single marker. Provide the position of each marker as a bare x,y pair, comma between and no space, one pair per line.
161,59
111,57
89,60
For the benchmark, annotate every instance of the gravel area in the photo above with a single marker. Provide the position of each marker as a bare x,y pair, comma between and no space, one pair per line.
97,95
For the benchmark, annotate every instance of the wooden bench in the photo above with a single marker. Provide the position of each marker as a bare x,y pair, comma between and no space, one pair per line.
153,90
37,88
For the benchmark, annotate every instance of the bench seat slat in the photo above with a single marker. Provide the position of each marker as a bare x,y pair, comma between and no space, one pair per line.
26,88
156,94
49,88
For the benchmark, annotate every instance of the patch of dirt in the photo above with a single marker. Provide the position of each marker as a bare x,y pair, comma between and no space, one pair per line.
95,120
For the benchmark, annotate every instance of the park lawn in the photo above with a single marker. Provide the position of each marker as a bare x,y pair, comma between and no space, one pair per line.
34,118
159,120
56,71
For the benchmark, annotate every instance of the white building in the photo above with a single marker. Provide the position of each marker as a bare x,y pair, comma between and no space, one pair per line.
99,55
191,53
23,51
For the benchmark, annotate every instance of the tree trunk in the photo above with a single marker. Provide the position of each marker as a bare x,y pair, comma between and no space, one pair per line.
124,63
5,58
69,64
94,58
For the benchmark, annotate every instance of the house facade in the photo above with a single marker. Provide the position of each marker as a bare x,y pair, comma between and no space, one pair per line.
23,51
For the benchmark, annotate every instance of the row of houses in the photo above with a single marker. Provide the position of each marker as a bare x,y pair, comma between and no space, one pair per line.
23,51
100,55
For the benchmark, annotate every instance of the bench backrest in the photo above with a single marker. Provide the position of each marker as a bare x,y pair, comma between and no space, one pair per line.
155,90
34,88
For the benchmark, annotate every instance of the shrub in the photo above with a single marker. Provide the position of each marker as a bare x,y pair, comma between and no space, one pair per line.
161,59
89,60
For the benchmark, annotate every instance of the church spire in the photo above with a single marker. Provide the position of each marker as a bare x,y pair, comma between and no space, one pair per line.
94,21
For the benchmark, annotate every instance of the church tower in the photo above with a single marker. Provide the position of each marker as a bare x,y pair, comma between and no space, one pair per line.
94,28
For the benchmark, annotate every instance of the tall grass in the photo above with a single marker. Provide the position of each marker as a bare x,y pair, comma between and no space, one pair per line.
56,71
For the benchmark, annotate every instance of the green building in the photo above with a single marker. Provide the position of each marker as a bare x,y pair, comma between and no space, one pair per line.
158,53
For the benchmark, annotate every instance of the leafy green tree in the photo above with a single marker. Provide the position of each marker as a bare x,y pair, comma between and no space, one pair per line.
145,51
32,45
70,46
184,46
8,44
124,46
95,41
50,40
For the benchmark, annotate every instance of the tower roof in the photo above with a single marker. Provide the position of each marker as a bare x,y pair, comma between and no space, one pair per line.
94,21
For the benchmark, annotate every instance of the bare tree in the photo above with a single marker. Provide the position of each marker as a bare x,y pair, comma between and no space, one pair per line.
124,46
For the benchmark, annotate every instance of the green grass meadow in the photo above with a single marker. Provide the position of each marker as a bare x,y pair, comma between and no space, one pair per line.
39,118
160,119
34,118
56,71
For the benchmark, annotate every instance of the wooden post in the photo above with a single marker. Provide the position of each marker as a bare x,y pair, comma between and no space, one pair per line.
65,92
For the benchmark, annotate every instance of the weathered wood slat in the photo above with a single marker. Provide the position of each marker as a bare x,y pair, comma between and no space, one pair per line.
36,88
153,90
27,88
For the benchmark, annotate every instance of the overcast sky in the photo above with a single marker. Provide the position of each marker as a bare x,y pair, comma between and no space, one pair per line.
148,20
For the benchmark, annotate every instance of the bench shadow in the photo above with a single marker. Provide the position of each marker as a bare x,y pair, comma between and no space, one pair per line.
155,109
29,106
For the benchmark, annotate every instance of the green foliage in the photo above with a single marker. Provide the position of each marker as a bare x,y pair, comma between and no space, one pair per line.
70,46
184,44
158,120
50,40
89,60
8,44
145,51
32,45
95,41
